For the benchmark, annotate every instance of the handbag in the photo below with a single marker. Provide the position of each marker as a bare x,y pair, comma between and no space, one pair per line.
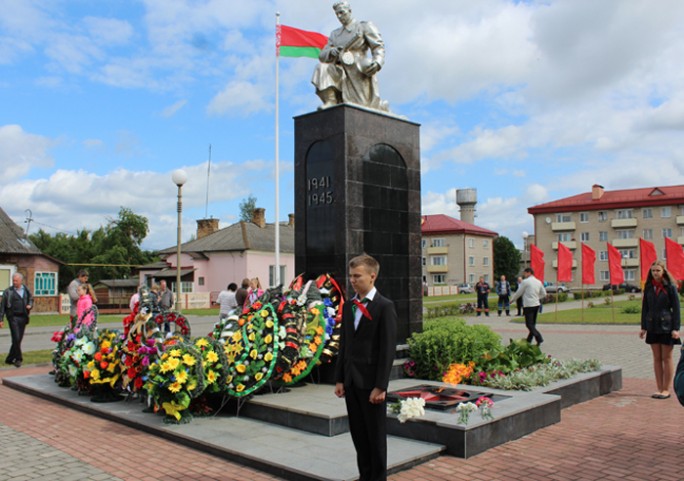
678,383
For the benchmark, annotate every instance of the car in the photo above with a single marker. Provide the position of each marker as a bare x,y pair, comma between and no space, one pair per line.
625,286
465,289
553,288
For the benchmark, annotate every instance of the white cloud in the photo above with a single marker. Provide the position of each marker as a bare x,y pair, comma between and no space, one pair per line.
108,31
171,110
21,151
240,97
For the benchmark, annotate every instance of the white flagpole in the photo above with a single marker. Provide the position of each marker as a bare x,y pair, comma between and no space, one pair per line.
276,274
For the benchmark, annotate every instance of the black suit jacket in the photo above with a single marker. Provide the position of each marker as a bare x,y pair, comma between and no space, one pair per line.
367,353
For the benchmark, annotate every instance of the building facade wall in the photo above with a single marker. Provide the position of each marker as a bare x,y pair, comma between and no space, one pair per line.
452,259
622,227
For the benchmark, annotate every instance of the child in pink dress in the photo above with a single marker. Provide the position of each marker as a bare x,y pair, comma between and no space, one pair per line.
85,302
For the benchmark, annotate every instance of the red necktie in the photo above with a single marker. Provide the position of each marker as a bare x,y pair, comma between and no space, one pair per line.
362,308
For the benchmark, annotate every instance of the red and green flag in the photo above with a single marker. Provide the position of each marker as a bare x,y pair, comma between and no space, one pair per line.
293,42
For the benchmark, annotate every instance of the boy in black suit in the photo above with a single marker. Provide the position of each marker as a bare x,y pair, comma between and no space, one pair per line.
367,348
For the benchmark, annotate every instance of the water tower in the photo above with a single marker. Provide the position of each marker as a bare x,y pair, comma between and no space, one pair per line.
466,200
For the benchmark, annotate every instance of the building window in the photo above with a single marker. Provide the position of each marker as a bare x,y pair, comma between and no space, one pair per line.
438,242
630,275
605,276
424,243
647,234
625,234
485,243
471,260
603,255
666,212
471,278
603,236
485,261
647,213
564,237
45,284
486,277
200,281
471,243
439,279
628,253
186,286
563,218
424,261
584,236
438,260
625,213
271,275
584,217
667,232
602,216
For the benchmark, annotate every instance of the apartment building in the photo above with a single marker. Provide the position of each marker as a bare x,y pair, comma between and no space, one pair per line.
619,217
455,251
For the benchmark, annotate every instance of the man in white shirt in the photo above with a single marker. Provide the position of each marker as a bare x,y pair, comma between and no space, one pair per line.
226,300
532,292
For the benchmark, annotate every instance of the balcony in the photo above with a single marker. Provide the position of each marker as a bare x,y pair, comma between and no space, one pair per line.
623,223
625,243
555,264
680,239
630,262
437,250
680,220
562,226
572,245
437,269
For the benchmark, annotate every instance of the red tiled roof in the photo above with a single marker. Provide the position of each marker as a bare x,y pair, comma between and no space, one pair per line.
614,199
443,224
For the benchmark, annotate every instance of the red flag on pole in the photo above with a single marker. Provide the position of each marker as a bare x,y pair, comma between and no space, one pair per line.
537,262
588,262
617,275
647,252
564,273
294,42
675,258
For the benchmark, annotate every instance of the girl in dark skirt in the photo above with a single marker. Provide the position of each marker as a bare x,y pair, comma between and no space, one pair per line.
660,323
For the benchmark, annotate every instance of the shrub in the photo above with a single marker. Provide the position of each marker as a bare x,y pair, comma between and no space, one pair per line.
589,294
542,374
518,354
631,310
607,301
447,341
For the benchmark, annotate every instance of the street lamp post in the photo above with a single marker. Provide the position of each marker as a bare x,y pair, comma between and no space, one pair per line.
179,177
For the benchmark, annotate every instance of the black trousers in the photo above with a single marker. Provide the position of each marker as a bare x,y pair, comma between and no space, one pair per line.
17,326
368,428
531,324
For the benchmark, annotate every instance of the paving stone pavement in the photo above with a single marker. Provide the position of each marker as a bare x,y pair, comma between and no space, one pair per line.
625,435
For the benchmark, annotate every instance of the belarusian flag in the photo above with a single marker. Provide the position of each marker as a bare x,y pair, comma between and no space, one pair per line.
293,42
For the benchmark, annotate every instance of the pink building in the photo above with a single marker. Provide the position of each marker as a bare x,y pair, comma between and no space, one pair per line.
218,257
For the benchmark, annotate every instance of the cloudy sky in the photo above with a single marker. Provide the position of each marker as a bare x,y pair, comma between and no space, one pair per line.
526,101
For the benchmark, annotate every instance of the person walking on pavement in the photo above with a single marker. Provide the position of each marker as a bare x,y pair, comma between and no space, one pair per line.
519,301
482,289
503,289
17,303
532,291
165,296
226,300
660,324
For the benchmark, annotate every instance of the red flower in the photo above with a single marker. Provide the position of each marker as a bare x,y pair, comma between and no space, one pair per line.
104,364
98,356
138,383
131,372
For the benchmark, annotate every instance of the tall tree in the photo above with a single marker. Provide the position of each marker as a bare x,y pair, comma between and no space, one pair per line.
506,258
247,207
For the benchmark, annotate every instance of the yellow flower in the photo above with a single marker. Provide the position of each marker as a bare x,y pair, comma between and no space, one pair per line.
175,353
192,385
212,356
269,323
175,387
105,345
251,336
90,366
264,313
181,377
189,360
258,376
231,357
112,366
164,357
165,367
211,377
241,368
240,387
268,339
253,353
237,336
174,362
268,357
95,374
201,342
229,379
319,330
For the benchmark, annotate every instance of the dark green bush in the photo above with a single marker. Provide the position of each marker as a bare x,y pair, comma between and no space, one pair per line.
448,341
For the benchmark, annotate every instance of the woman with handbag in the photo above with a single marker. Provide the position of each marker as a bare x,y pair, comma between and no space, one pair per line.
660,323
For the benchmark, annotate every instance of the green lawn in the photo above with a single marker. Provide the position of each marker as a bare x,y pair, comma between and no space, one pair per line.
61,320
